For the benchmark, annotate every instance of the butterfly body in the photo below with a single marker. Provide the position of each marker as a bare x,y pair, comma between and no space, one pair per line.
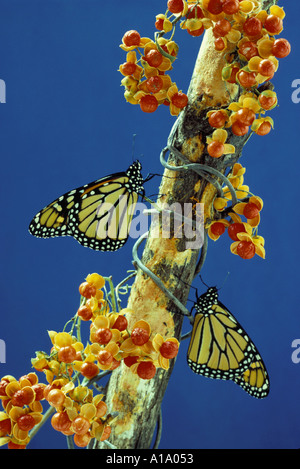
98,215
221,349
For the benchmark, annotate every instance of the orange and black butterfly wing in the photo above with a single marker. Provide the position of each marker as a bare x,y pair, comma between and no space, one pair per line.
98,215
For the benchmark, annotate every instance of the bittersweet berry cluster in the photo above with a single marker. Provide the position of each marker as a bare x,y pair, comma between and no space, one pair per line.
244,33
71,368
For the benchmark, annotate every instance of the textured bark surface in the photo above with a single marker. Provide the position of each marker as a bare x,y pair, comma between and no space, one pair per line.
138,401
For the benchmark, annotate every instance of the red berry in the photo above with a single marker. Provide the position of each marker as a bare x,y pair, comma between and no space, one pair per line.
87,290
102,336
266,68
267,102
85,312
240,129
159,24
234,229
218,228
232,78
246,249
247,79
148,103
248,49
221,28
5,427
217,119
146,370
179,100
196,32
264,128
26,422
215,149
131,38
89,370
251,210
67,354
154,84
169,349
154,58
120,323
273,24
128,68
105,357
230,7
220,44
246,116
281,48
80,425
139,336
175,6
194,12
252,26
130,361
61,422
215,7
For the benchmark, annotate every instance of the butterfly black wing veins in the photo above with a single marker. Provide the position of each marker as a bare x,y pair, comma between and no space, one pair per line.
98,215
221,349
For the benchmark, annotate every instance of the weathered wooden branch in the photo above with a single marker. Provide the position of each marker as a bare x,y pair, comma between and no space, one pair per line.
138,401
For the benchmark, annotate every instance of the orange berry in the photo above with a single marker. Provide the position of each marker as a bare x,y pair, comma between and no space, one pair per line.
246,249
179,100
217,119
85,312
67,354
240,129
101,409
106,433
80,425
266,68
148,103
56,397
250,210
87,290
139,336
102,336
120,323
154,58
105,358
89,370
175,6
82,440
26,422
215,149
246,116
234,229
218,228
281,48
128,68
169,349
131,38
264,129
60,421
146,370
154,84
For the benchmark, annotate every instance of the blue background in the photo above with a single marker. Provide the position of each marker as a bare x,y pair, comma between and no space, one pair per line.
66,123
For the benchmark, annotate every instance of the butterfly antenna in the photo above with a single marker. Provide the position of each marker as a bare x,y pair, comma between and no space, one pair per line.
133,146
203,281
225,280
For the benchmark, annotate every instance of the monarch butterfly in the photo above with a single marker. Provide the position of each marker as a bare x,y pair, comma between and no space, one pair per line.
221,349
98,215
